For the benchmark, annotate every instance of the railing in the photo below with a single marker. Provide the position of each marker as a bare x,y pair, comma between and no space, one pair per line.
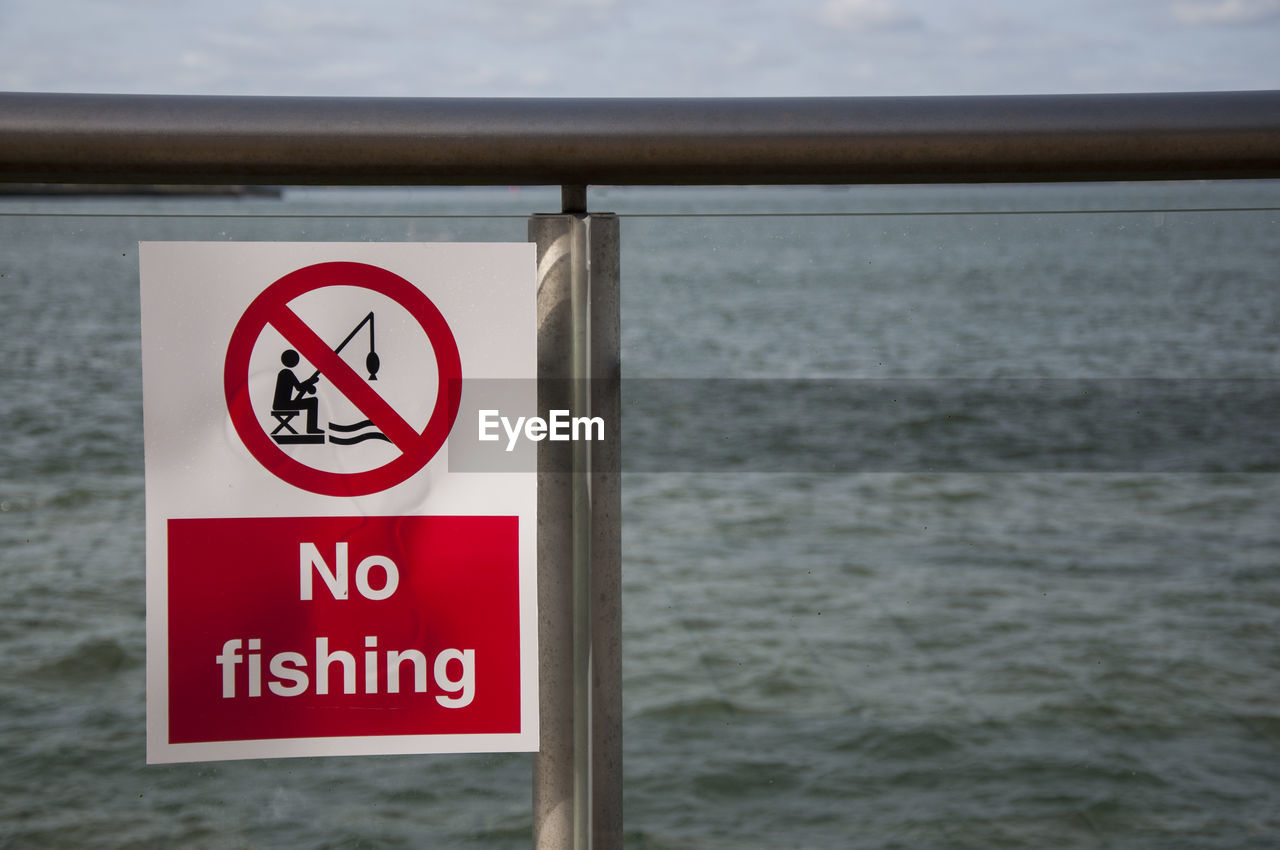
574,144
143,139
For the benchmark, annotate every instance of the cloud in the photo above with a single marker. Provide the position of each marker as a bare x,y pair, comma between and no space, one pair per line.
520,20
867,15
655,48
1199,12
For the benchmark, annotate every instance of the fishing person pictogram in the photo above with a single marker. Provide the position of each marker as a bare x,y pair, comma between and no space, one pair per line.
293,397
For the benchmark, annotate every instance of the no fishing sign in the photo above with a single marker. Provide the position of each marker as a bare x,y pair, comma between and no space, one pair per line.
319,580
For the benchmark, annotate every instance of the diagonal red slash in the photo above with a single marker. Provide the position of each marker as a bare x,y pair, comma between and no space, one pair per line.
344,379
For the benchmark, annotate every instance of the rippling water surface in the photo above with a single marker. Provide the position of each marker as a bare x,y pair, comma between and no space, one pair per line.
944,613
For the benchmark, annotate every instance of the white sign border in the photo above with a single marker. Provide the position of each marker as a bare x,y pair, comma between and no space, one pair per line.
222,278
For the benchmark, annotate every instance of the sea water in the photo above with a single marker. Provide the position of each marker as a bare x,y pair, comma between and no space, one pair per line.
950,520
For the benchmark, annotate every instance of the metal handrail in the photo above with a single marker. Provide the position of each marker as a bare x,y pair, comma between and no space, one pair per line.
126,139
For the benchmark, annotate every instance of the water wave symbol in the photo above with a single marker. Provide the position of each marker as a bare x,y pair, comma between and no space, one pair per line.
356,438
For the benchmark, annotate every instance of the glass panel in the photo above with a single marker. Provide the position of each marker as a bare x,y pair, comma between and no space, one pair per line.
897,572
72,558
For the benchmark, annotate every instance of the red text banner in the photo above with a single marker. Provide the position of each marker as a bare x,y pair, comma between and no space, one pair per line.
313,627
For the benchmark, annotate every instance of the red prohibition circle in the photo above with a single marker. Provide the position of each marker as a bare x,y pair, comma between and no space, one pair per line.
416,447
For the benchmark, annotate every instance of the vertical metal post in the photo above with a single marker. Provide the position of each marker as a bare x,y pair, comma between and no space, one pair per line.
577,785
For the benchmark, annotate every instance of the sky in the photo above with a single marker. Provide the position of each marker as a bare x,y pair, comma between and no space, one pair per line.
637,48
